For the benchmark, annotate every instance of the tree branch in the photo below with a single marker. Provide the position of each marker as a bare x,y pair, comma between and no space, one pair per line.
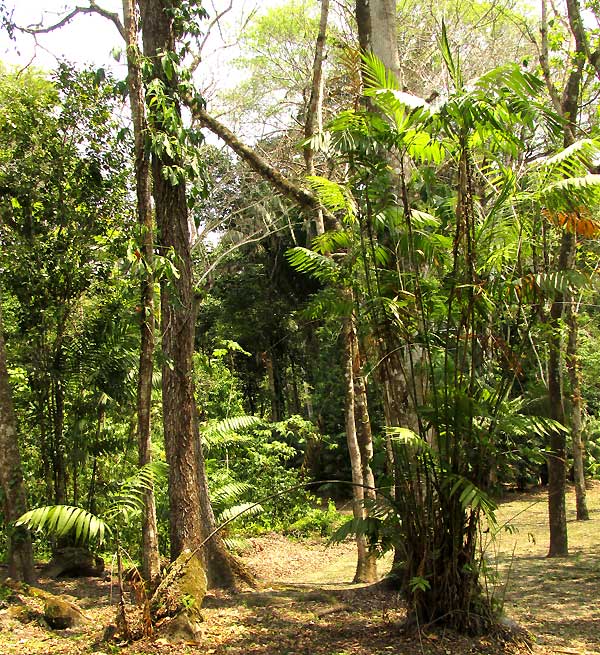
92,9
300,195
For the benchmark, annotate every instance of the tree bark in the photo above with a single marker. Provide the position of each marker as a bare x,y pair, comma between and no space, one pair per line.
384,35
574,372
364,571
20,553
177,315
190,517
150,551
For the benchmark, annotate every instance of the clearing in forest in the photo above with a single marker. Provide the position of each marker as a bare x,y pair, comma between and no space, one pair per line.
307,606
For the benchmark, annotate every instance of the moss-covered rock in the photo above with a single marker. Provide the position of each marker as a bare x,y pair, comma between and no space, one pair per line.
61,613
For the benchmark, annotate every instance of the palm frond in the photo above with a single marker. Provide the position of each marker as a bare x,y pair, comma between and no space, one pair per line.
472,497
334,196
573,161
375,74
313,263
452,66
60,520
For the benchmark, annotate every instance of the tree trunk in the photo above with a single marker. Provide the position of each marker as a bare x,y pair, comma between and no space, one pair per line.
363,23
20,553
190,518
365,446
314,114
557,464
574,371
58,420
384,35
150,551
364,571
177,315
568,106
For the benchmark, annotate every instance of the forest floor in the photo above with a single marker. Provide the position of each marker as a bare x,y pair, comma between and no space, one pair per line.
306,605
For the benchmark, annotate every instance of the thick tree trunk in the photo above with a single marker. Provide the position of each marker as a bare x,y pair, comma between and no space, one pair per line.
384,35
19,554
177,315
188,492
150,551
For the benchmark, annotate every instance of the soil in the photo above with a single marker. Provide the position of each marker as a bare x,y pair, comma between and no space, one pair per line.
307,606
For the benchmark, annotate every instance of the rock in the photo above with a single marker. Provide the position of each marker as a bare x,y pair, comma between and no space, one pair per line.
20,613
175,605
73,562
60,614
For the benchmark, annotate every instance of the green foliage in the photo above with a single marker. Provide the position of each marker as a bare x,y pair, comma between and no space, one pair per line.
316,521
126,503
60,520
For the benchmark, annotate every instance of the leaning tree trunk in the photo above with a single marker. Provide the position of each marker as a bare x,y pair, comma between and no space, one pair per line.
20,553
150,551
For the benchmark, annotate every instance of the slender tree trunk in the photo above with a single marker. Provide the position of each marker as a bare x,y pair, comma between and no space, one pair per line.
557,456
568,107
314,114
274,392
574,372
365,446
363,571
60,465
150,551
20,553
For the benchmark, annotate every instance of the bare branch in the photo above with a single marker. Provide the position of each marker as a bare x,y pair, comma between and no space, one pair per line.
93,8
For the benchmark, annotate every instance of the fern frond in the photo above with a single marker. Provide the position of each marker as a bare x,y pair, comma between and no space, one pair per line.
572,193
230,513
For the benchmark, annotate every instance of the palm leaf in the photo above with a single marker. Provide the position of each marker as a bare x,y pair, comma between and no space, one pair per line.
333,196
452,66
60,520
311,262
